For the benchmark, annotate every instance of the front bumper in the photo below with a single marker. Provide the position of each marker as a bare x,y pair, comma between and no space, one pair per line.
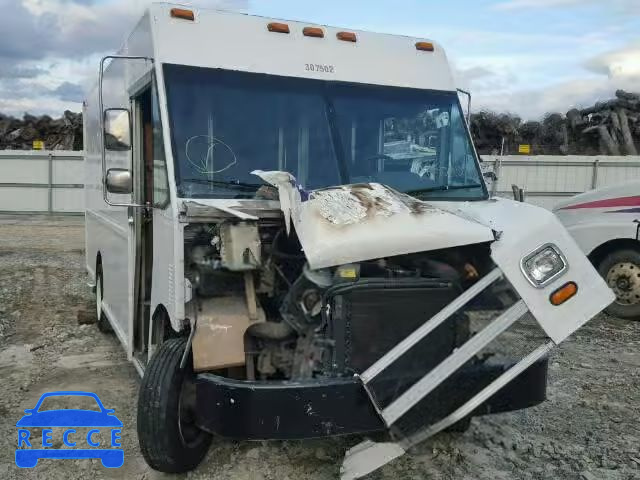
339,406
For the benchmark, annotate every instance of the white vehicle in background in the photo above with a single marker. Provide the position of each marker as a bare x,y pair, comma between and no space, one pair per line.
606,223
287,225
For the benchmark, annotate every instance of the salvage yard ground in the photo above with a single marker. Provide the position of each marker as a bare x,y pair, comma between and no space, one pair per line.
588,429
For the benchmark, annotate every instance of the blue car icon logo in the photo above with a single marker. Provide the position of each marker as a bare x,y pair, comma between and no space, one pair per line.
69,419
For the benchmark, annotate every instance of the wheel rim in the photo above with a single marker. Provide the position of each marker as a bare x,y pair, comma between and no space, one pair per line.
189,432
624,279
99,296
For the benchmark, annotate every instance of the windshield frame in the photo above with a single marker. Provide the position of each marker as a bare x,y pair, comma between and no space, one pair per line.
326,87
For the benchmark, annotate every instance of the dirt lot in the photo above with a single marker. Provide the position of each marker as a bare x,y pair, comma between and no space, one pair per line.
588,429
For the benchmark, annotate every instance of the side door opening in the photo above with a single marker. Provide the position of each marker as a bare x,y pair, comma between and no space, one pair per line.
143,218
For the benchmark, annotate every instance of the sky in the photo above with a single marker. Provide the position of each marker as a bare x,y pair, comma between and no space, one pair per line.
527,57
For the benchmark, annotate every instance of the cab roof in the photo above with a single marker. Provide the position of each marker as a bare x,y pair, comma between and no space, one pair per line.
236,41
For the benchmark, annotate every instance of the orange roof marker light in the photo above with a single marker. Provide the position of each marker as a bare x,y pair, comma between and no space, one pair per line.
278,27
313,32
183,13
425,46
347,36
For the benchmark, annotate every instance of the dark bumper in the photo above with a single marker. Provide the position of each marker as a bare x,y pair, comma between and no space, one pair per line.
339,406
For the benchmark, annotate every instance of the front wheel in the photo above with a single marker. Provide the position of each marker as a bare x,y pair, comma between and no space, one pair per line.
621,271
170,440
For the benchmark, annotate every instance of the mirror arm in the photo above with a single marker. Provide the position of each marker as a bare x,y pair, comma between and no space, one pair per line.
103,151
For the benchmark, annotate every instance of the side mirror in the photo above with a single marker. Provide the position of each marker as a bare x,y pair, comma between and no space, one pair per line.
119,181
518,193
117,130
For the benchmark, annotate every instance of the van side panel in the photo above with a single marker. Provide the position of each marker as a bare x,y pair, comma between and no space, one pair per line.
107,227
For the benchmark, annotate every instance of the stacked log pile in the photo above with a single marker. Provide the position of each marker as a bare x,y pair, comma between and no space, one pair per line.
607,128
64,133
615,124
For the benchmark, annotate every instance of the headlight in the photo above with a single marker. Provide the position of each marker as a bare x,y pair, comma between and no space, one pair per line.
544,265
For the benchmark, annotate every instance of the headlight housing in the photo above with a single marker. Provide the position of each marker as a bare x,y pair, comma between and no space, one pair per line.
544,265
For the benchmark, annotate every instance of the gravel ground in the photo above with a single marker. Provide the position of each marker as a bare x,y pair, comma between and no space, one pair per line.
588,429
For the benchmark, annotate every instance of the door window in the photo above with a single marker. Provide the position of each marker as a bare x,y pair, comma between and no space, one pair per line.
160,177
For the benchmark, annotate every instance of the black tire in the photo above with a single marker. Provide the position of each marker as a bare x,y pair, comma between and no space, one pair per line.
621,271
102,322
170,442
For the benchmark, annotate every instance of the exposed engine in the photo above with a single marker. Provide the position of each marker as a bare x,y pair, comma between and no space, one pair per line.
329,322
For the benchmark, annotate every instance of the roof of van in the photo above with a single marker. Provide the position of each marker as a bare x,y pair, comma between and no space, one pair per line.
237,41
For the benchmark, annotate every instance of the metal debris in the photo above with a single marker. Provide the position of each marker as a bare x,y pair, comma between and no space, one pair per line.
367,457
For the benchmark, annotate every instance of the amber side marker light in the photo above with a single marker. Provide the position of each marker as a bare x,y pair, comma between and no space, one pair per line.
278,27
183,13
425,46
313,32
564,293
347,36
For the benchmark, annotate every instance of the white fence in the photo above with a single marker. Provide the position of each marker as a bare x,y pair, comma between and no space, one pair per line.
52,181
41,182
548,179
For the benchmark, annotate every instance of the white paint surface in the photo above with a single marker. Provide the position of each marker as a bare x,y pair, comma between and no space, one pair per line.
593,227
241,42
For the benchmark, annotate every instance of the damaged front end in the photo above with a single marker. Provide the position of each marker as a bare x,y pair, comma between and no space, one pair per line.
351,309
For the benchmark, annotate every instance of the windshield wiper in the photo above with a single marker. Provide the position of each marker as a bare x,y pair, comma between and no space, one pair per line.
443,188
231,184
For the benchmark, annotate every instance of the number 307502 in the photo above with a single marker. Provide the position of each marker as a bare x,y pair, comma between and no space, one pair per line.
316,67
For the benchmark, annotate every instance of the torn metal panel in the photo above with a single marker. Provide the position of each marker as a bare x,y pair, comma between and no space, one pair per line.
290,195
367,457
205,210
359,222
195,209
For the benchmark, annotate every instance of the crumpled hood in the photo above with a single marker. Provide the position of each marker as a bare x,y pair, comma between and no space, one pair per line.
352,223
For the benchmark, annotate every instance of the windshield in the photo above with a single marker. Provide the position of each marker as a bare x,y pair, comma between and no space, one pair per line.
226,124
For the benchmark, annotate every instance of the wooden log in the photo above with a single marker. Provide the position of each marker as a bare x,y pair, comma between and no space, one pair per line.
612,147
616,131
629,145
611,104
634,97
574,117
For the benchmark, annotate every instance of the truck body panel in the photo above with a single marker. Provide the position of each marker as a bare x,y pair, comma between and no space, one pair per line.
599,216
364,229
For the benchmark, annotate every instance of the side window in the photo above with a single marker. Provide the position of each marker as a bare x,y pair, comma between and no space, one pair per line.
160,177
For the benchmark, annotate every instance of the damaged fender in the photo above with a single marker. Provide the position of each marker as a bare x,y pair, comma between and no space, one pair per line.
524,228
